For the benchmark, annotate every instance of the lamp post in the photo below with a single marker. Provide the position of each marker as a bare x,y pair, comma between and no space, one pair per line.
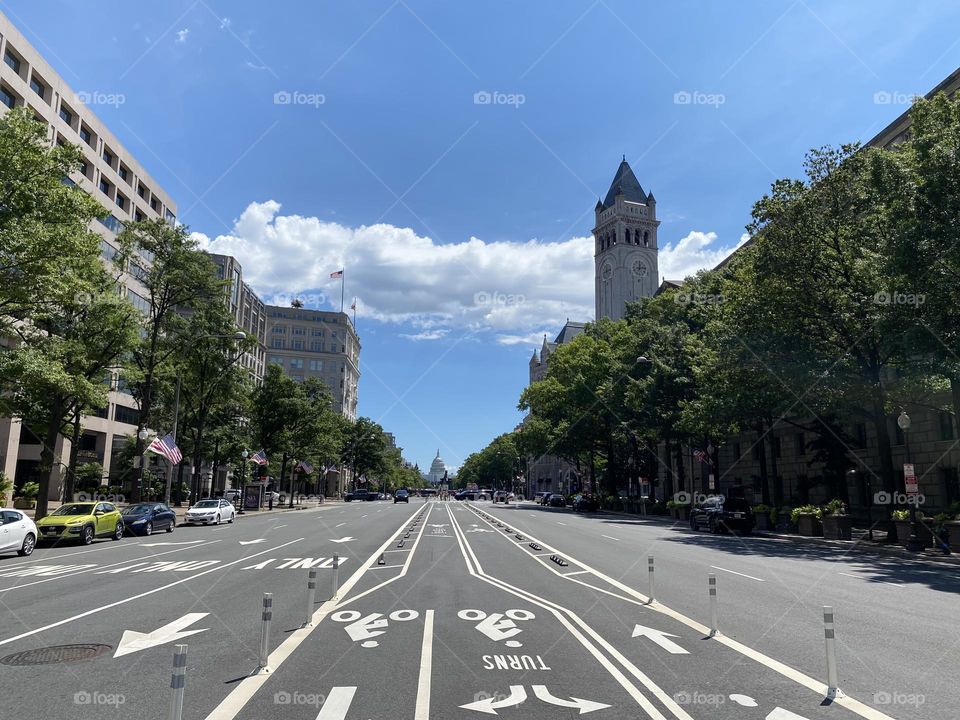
913,544
710,468
142,435
243,478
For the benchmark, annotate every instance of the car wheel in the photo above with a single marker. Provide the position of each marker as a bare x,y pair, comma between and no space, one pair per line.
232,515
29,542
172,525
118,532
148,529
86,537
217,521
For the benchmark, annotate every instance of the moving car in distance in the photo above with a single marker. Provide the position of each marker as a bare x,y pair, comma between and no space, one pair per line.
557,501
723,513
584,502
145,518
18,533
541,497
401,496
210,511
82,522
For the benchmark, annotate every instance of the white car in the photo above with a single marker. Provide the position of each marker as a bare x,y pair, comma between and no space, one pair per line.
17,533
210,511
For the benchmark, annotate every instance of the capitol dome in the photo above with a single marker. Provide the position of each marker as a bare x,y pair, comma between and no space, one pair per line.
437,470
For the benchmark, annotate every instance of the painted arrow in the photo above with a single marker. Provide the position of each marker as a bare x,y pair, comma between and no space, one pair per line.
660,638
781,714
343,539
490,705
252,542
133,641
585,706
158,544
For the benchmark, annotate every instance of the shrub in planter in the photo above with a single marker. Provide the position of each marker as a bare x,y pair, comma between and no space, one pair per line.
761,515
679,511
808,518
837,525
27,499
901,521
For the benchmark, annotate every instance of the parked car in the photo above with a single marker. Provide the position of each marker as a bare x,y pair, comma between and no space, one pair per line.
232,494
18,533
210,511
584,502
359,495
144,518
723,513
82,522
542,497
401,496
557,501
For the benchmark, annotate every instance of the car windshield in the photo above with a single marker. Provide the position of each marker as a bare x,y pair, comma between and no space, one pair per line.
74,509
137,509
207,504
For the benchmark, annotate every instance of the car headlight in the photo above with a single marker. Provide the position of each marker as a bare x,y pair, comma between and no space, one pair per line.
74,522
140,521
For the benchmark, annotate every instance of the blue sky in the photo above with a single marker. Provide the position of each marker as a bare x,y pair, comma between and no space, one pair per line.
305,136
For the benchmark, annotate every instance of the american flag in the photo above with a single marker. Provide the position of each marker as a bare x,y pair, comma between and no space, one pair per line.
167,447
337,274
305,466
259,457
702,457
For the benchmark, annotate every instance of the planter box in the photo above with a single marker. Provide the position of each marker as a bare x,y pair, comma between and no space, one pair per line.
761,521
809,526
838,527
903,531
24,503
954,529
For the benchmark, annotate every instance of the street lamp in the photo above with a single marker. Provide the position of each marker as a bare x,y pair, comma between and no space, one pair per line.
913,544
243,478
142,435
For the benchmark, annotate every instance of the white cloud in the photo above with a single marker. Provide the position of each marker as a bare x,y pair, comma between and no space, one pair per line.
182,36
225,23
513,290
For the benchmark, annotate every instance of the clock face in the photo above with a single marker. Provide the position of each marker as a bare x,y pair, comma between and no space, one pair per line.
607,272
640,268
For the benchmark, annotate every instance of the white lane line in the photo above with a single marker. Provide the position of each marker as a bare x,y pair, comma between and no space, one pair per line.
734,572
860,577
610,537
560,523
426,669
114,604
385,567
337,704
339,524
577,572
275,527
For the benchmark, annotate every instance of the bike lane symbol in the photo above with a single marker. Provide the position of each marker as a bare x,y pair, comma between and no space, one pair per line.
366,627
498,626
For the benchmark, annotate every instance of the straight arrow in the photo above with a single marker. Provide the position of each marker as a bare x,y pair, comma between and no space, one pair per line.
585,706
489,706
660,638
252,542
343,539
133,641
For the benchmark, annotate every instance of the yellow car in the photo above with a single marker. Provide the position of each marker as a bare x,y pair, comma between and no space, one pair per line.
83,522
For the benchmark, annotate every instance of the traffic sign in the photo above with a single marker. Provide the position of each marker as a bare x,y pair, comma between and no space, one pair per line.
910,479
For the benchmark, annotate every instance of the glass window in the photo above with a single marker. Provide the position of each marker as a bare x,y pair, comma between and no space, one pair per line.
296,363
279,329
277,343
298,344
13,62
66,116
138,301
123,414
154,205
107,251
120,200
316,365
299,331
112,224
84,168
123,172
137,215
108,157
104,187
317,333
85,135
38,87
6,98
141,190
170,217
276,360
316,346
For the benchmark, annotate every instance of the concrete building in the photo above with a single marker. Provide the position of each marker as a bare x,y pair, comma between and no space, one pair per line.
317,343
113,177
249,313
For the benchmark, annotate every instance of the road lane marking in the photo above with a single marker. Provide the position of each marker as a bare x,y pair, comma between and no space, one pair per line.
855,706
610,537
734,572
560,523
860,577
124,601
339,524
426,669
133,641
576,572
584,706
661,638
385,567
337,704
242,693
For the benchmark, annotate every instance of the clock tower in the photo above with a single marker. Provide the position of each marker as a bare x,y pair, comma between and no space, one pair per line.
625,245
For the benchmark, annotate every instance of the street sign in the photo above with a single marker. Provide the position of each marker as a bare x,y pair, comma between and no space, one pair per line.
713,482
910,479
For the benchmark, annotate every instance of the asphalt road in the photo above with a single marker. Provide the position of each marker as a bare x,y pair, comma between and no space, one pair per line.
472,615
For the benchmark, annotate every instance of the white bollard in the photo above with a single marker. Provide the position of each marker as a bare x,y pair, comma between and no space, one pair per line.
311,597
265,632
336,576
178,681
712,581
650,576
833,681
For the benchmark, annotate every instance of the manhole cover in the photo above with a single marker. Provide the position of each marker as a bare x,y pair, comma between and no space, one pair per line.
56,654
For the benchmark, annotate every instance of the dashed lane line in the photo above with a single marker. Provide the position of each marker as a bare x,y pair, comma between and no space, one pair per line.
734,572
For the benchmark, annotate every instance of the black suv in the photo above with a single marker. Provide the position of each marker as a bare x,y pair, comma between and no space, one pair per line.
401,496
723,513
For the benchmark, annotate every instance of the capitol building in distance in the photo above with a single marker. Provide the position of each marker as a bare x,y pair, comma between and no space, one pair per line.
438,471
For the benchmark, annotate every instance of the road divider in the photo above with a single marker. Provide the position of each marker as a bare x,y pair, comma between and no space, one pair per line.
829,634
712,587
267,618
311,597
178,682
336,577
650,599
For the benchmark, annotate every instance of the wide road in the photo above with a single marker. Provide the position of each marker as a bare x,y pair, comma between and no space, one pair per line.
464,610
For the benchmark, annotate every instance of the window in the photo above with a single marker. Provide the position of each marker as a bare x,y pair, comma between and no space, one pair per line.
299,331
333,334
123,172
296,363
107,251
7,98
317,333
141,191
860,435
276,360
66,115
38,87
154,205
107,157
12,61
138,301
277,343
84,169
120,200
138,271
298,345
279,329
947,429
170,217
316,365
112,224
137,215
123,414
104,187
316,346
85,135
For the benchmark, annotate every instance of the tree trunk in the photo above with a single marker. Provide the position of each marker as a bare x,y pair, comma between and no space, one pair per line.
667,493
69,481
762,448
777,480
681,472
879,414
48,455
955,394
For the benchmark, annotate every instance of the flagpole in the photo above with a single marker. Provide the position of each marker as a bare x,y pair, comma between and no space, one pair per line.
176,416
343,282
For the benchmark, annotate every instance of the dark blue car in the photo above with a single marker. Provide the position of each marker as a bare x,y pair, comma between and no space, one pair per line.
147,518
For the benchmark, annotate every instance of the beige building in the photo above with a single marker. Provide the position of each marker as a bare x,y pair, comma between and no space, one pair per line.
320,344
113,177
249,313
